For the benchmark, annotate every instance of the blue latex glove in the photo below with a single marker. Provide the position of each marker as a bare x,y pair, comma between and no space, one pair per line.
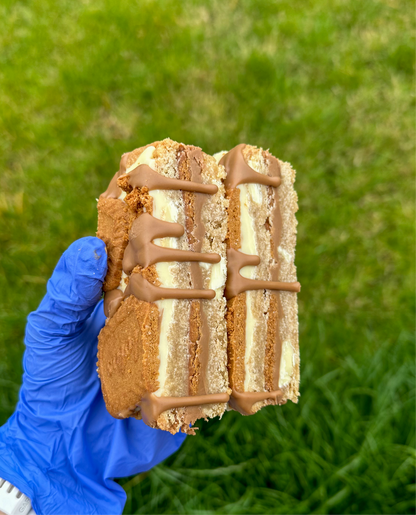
61,447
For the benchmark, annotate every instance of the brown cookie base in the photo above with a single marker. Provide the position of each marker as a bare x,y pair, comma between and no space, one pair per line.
128,361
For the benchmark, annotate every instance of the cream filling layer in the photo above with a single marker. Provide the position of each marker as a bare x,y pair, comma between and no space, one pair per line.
219,155
287,363
249,193
288,357
163,209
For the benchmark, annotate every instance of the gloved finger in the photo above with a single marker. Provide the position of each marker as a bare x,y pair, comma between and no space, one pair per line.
61,335
72,292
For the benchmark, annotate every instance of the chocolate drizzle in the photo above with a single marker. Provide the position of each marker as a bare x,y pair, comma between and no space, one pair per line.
236,283
112,301
152,406
244,401
239,172
141,250
143,290
144,176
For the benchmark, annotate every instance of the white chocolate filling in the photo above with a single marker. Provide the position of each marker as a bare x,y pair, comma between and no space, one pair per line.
249,193
287,363
164,210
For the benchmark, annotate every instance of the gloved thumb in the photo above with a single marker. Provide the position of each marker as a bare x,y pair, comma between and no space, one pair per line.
72,292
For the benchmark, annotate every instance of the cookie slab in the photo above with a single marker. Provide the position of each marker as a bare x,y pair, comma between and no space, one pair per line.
261,288
163,351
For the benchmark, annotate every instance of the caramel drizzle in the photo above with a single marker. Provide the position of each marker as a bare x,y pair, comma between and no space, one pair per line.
152,406
144,176
244,401
236,283
112,301
239,172
141,250
143,290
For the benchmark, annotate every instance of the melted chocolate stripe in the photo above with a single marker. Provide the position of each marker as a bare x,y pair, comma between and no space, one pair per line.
143,175
244,401
152,406
190,169
112,301
239,172
143,290
113,191
141,250
236,283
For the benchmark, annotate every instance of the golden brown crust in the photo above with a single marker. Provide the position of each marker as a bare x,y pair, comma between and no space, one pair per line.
150,342
149,273
139,200
114,222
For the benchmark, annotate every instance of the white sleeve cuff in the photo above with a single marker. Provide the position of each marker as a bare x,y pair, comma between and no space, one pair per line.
13,501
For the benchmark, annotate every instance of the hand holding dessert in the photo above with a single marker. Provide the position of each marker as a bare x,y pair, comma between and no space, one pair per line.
61,448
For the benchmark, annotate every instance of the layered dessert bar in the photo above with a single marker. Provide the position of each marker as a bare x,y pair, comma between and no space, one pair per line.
261,287
162,355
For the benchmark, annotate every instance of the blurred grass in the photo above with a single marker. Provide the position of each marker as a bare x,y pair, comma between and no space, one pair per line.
326,85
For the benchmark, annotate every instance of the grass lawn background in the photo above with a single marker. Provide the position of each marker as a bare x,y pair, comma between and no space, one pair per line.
326,85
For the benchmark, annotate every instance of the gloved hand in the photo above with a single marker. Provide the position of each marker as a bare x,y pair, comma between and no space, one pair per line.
61,447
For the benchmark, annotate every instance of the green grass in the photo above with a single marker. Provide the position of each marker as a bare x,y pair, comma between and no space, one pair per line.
326,85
